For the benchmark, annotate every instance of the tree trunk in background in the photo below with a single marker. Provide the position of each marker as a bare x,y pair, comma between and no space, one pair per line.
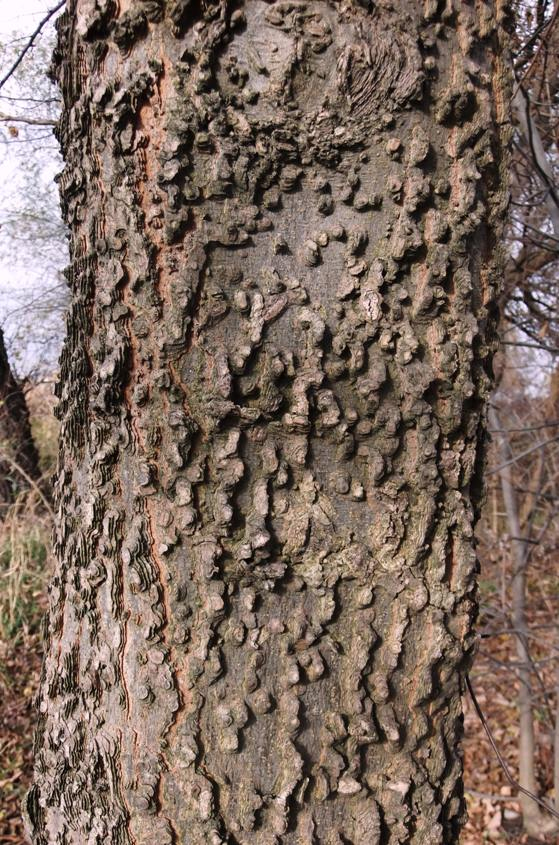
534,821
19,459
272,405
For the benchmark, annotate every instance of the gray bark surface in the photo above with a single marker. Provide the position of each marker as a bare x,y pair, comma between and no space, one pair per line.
284,218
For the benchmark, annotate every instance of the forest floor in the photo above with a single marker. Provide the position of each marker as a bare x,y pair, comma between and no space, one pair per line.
20,664
494,811
494,816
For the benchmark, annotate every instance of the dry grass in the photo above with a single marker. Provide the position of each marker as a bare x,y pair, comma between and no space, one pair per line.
24,545
25,566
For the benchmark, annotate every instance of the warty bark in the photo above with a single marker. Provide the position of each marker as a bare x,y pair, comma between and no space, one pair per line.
284,224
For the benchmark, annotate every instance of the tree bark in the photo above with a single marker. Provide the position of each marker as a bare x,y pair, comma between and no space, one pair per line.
19,459
284,223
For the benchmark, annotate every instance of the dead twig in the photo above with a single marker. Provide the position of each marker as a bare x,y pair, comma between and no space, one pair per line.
514,783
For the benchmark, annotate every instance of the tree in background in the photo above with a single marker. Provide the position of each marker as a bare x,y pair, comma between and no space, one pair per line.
283,220
19,459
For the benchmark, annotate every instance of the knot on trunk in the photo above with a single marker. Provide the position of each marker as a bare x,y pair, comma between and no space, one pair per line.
380,71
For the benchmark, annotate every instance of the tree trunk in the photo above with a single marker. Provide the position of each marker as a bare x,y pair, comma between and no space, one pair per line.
19,459
272,399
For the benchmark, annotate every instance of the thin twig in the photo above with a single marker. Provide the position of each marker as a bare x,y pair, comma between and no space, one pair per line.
550,424
500,758
522,455
33,121
33,484
487,796
553,350
531,66
542,166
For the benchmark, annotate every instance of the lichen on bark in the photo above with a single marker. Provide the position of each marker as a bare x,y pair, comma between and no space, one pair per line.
285,218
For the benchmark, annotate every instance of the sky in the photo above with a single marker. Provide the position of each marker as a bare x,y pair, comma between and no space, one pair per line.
28,269
21,15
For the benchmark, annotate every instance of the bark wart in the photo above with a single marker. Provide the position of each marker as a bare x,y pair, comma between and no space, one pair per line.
284,218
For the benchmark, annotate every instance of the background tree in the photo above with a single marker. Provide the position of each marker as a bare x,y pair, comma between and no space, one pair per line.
19,459
519,532
283,218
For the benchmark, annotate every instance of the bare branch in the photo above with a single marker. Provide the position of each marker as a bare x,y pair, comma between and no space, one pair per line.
30,42
502,763
522,455
532,64
30,481
521,104
550,424
32,121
